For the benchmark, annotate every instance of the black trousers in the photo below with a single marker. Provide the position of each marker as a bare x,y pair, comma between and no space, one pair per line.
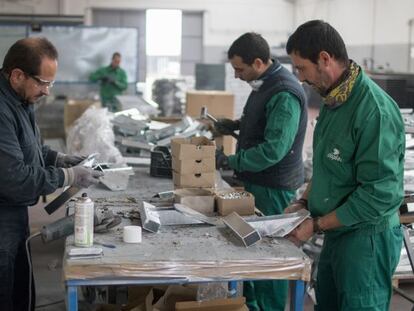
14,261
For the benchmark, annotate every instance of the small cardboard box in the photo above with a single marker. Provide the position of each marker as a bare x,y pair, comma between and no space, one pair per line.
73,109
201,200
195,148
195,180
223,304
243,206
219,103
189,166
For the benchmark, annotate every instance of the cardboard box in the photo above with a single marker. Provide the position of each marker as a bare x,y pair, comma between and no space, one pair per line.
74,109
224,304
201,200
228,143
198,180
243,206
174,294
195,148
189,166
219,104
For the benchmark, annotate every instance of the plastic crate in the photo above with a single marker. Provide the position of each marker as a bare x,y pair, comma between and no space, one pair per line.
161,162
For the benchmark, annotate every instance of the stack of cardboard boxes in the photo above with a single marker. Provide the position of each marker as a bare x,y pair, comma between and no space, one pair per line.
193,162
194,172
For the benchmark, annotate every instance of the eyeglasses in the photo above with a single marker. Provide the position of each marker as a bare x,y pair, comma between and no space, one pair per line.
41,82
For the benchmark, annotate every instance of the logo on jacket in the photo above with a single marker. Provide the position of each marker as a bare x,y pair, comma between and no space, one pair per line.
335,155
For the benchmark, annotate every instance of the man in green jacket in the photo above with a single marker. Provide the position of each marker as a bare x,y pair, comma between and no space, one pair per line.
113,81
269,149
357,183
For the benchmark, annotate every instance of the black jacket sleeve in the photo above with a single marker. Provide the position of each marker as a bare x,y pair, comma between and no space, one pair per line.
23,178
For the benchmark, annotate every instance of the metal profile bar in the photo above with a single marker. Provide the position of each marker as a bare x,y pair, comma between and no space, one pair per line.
149,217
243,230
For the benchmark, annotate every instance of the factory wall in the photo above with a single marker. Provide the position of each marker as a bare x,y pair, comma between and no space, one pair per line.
374,30
224,20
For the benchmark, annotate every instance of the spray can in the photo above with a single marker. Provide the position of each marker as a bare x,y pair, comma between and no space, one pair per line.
84,214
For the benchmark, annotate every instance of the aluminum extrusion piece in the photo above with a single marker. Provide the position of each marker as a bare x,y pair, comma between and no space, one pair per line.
150,219
278,225
243,230
214,221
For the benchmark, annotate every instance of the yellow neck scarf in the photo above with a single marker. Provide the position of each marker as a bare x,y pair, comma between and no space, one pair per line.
339,94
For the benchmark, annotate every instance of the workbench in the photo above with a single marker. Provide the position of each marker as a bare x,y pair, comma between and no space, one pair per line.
179,254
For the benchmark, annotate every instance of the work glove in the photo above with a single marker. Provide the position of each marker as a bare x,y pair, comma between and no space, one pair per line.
226,126
66,160
222,161
81,177
107,79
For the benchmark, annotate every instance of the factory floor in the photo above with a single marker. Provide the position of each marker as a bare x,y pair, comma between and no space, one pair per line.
47,258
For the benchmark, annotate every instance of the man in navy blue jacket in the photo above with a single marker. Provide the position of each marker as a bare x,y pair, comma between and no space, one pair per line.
27,168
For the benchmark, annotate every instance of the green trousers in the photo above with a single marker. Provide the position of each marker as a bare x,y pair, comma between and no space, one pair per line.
355,269
267,295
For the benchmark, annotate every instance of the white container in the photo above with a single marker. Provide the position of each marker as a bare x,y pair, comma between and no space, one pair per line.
84,214
132,234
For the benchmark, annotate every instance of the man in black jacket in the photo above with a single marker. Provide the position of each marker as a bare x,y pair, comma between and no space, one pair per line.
27,168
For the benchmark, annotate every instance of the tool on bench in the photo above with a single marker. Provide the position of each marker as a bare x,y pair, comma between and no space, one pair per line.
71,191
104,220
205,115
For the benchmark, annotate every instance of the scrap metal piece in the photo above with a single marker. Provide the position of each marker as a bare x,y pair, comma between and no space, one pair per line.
166,195
214,221
115,178
243,230
171,217
136,144
126,125
150,219
169,131
137,161
235,195
278,225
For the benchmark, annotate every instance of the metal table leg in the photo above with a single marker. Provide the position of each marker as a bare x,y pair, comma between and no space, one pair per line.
232,288
297,295
72,298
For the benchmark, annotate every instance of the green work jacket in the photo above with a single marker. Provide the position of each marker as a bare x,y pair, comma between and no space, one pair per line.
115,83
358,158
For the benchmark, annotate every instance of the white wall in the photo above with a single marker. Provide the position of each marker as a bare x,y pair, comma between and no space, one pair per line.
224,20
376,29
361,21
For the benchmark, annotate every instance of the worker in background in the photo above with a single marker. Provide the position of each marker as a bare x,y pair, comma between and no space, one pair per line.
27,168
357,182
113,81
269,149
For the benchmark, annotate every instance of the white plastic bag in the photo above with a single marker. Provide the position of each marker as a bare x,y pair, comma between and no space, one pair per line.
92,133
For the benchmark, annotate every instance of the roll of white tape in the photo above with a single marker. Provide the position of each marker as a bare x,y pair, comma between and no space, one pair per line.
132,234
